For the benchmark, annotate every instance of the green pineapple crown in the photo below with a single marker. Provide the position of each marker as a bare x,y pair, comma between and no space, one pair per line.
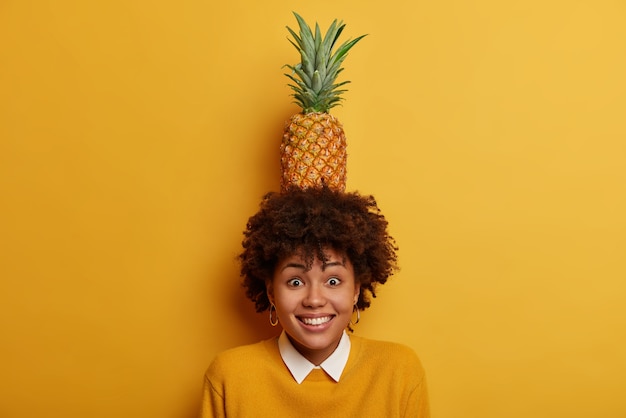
314,76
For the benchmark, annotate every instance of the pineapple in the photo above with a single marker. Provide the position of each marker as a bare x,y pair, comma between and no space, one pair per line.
313,149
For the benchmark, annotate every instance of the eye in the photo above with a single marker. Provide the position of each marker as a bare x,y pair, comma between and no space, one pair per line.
295,282
334,281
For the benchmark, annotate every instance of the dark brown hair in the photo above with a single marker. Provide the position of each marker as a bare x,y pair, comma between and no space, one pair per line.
307,221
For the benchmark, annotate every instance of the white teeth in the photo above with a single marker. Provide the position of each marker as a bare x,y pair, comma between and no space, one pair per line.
316,321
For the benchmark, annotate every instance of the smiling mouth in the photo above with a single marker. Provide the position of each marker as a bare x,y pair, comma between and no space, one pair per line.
316,321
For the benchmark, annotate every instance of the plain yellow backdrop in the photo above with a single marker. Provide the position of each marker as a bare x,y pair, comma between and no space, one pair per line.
137,137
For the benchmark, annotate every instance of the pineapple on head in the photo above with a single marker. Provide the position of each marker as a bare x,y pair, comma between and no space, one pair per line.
313,149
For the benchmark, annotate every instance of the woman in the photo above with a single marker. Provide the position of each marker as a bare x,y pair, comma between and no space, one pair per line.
313,259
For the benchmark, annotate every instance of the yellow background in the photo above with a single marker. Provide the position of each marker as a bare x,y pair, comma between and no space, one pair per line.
137,137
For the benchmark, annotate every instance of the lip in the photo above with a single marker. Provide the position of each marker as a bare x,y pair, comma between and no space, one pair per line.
319,327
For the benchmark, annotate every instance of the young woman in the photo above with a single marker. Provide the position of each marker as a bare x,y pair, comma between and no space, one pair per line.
313,259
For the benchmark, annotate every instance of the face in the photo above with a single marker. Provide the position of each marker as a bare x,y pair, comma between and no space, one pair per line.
314,306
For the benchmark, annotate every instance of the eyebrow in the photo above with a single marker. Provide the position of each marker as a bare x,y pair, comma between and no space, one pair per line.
333,264
294,265
303,267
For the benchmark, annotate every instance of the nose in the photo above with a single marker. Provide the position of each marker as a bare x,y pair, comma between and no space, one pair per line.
314,297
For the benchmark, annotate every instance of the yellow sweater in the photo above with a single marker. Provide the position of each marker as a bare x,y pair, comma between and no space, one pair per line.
381,379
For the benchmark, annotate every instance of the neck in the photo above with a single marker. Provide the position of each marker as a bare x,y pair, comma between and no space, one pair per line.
315,356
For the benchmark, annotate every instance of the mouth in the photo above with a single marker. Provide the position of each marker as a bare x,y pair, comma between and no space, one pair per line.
315,321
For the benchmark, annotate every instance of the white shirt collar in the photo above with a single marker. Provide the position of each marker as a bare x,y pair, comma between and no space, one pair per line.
300,367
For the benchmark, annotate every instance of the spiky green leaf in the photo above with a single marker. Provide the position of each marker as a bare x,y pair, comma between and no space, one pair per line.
314,78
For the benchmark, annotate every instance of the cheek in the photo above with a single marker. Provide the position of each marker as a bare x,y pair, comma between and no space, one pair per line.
284,300
347,301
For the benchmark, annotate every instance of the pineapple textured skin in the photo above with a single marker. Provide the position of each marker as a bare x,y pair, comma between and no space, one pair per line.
313,152
313,148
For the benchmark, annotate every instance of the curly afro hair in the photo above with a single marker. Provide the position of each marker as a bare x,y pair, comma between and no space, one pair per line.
306,222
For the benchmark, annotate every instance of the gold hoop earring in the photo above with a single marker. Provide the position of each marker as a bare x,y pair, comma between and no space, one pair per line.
272,322
358,315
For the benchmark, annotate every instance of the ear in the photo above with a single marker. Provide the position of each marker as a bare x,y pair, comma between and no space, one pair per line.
357,292
270,291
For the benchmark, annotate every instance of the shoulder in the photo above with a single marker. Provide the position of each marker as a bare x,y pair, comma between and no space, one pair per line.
243,351
240,358
387,352
381,346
